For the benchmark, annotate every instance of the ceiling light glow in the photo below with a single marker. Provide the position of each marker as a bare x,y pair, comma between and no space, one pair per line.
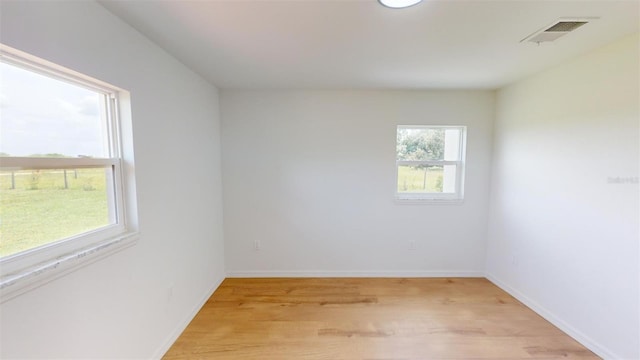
398,4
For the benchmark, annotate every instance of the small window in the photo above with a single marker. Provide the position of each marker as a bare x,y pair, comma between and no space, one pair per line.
62,181
430,162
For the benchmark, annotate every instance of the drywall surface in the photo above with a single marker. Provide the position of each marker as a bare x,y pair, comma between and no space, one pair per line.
309,177
132,304
563,231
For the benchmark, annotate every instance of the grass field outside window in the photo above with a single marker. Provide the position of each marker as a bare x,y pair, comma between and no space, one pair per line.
39,209
420,179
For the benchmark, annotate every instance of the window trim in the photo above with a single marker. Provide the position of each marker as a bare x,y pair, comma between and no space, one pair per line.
29,269
443,198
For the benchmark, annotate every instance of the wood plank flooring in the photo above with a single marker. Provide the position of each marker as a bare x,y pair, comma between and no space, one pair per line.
369,318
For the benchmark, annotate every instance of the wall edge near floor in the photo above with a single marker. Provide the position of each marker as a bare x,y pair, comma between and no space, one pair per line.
175,334
554,319
309,274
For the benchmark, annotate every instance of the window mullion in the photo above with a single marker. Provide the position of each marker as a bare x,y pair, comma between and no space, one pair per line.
29,163
427,162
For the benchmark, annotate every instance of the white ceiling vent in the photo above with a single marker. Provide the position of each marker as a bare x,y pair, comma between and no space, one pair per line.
556,30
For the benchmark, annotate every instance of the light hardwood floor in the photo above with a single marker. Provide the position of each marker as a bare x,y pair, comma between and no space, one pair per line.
367,318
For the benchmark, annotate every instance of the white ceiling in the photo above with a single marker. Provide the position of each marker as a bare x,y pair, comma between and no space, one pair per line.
361,44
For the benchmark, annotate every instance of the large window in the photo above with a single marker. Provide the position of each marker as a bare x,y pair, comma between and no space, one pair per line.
62,180
430,162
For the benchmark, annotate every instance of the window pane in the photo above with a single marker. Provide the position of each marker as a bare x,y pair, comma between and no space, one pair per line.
428,144
42,116
421,179
420,144
426,179
38,207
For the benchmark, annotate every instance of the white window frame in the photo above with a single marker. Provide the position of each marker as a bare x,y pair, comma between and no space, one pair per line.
26,270
423,197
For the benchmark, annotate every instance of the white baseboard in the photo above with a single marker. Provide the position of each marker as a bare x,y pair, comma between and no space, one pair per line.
294,274
166,345
555,320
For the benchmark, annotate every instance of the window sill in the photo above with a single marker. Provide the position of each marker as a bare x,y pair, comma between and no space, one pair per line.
427,201
19,282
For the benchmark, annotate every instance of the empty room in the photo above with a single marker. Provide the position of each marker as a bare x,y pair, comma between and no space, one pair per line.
319,179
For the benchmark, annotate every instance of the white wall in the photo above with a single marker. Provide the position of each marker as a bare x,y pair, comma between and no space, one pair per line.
120,307
311,175
561,237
